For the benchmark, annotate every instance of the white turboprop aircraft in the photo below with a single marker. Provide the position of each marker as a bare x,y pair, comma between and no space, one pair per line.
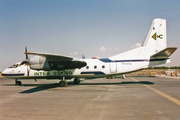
154,51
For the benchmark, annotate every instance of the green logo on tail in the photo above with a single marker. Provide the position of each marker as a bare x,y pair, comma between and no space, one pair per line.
155,36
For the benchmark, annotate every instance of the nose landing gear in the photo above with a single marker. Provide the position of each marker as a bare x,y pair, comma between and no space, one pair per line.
18,82
77,81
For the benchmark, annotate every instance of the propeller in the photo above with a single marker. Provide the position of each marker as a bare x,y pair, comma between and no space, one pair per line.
26,52
26,61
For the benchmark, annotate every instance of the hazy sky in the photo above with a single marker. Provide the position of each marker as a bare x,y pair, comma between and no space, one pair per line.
74,27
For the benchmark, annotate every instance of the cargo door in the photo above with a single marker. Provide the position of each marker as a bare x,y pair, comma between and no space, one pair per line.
113,67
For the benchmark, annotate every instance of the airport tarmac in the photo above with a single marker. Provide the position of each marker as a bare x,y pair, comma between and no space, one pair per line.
133,98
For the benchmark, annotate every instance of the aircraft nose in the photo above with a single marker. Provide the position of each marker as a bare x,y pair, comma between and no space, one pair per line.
12,73
4,72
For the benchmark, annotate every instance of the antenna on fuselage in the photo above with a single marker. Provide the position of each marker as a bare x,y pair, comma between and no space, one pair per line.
83,56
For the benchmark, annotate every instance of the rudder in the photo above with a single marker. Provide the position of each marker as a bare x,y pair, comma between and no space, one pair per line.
156,38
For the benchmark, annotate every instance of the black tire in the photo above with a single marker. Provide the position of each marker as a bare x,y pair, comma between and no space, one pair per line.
18,83
62,83
77,81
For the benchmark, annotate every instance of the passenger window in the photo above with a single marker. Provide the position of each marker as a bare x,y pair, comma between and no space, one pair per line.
95,67
103,66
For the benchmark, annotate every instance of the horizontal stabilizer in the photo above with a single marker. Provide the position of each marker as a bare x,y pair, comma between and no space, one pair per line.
164,53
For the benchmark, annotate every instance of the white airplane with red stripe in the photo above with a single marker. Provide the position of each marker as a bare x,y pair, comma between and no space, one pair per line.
153,51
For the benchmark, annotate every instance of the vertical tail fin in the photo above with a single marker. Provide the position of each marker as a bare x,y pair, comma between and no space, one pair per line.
155,42
156,37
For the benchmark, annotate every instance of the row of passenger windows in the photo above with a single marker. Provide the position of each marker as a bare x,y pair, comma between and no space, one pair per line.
95,67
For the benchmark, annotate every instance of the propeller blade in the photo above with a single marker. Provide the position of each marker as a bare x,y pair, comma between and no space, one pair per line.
26,60
26,52
27,71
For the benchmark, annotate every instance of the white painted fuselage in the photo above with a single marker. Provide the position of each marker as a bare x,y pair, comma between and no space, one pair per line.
95,68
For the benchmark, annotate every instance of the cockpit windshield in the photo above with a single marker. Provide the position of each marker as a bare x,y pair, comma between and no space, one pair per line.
14,66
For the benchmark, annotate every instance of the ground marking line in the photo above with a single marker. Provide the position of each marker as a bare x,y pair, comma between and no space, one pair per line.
160,93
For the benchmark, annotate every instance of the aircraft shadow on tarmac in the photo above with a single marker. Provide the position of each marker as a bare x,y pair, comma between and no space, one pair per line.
38,87
42,87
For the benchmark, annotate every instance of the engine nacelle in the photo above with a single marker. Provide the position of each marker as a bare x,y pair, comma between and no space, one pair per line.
47,64
38,63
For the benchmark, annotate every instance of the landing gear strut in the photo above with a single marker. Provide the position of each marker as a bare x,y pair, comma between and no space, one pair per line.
123,76
18,82
63,83
77,81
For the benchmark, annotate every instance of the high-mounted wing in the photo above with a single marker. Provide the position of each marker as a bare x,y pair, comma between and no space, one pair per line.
48,61
51,56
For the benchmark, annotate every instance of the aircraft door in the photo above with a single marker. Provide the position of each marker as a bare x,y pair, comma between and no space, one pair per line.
113,67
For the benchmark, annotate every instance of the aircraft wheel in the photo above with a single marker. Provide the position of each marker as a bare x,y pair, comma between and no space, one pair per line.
77,81
63,83
18,83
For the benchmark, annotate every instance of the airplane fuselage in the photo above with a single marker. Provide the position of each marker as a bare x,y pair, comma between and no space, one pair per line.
94,68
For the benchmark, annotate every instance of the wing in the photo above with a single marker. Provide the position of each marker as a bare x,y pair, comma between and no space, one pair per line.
164,53
48,61
51,56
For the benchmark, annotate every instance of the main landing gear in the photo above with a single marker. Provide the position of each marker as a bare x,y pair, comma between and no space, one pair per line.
63,83
18,82
77,81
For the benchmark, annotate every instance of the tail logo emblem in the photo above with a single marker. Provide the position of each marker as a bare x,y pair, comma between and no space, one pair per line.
155,36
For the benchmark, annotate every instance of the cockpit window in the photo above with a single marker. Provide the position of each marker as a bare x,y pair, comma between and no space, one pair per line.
14,66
